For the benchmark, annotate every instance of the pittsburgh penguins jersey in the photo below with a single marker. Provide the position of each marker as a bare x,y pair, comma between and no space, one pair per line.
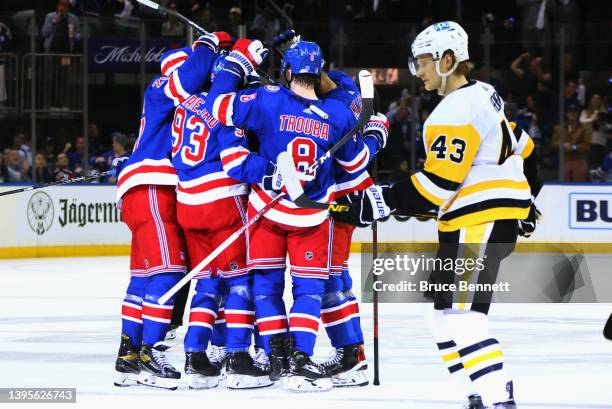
473,171
183,74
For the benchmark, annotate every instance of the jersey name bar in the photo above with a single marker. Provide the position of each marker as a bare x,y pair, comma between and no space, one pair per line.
308,126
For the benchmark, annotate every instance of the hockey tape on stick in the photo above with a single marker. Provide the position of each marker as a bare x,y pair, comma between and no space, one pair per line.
292,181
232,238
60,182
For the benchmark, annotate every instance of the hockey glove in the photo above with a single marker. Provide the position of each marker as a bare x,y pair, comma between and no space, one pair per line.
528,225
253,80
245,57
273,180
377,127
283,41
219,40
365,207
119,163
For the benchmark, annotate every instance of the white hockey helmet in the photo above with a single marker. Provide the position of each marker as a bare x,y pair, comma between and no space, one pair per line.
436,40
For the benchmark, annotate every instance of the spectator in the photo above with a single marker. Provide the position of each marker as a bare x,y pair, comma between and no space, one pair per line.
604,172
62,168
570,94
40,172
594,117
235,21
533,79
527,119
171,27
265,24
120,142
398,147
60,30
127,9
23,148
537,18
75,157
49,150
12,169
204,17
575,147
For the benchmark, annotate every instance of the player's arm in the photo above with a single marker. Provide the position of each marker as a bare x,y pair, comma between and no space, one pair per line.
234,108
191,76
525,148
238,161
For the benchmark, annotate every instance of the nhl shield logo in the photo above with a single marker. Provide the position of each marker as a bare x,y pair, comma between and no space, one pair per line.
40,213
309,255
233,265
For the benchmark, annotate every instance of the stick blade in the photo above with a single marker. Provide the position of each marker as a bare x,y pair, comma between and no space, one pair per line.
366,84
285,164
149,3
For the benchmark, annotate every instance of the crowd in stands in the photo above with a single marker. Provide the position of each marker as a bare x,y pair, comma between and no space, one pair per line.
524,70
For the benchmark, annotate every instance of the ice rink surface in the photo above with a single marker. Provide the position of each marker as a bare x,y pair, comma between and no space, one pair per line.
60,326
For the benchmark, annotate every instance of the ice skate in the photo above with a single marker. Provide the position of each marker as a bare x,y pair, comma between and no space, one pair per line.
244,373
126,364
278,358
218,357
474,402
307,376
201,373
347,366
155,370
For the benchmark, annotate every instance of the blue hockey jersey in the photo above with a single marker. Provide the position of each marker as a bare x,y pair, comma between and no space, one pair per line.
282,123
348,93
184,74
200,150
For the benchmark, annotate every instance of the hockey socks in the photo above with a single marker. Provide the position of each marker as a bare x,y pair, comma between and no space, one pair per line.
131,310
340,316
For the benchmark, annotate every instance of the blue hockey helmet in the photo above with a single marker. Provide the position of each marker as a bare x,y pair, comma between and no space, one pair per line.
303,57
173,59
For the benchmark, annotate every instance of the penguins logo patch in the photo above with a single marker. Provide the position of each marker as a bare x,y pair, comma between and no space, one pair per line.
309,255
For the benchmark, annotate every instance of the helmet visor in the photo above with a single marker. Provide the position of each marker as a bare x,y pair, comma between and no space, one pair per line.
416,63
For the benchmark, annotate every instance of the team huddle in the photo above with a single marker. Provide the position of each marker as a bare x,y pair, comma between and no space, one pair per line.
193,180
205,166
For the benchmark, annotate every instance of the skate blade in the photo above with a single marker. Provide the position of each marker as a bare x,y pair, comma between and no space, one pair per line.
148,379
236,381
196,381
296,383
170,335
355,376
126,379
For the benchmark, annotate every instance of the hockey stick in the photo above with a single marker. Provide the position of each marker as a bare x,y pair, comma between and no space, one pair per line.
234,236
59,182
195,26
287,167
376,380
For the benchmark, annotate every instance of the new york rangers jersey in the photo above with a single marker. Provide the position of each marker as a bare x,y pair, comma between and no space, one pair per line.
348,93
282,123
183,73
201,146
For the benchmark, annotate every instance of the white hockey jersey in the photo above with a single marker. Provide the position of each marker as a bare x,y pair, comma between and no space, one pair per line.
474,165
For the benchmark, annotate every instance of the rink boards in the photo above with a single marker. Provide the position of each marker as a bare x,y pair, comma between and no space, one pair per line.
84,221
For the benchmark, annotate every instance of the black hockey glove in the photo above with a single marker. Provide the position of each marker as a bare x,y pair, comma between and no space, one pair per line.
528,225
365,207
283,41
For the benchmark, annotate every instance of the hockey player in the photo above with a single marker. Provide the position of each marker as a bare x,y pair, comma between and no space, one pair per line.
282,123
146,196
473,176
210,207
340,309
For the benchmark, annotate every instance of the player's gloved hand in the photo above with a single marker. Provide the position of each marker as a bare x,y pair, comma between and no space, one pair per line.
273,180
528,225
253,80
246,56
119,163
283,41
226,41
377,127
209,40
365,207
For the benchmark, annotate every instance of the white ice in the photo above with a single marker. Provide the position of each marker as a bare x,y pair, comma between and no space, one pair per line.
60,325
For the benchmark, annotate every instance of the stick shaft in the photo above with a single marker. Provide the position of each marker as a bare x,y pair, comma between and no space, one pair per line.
58,183
232,238
376,380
